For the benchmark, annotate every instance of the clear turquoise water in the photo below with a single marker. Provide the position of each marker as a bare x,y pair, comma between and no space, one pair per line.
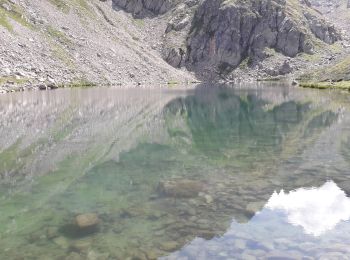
264,169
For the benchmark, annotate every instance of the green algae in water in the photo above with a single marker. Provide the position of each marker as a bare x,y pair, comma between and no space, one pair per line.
123,155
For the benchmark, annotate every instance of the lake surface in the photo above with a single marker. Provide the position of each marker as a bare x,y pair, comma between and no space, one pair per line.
215,172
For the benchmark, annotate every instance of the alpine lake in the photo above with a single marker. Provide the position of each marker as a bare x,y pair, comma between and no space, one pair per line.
258,171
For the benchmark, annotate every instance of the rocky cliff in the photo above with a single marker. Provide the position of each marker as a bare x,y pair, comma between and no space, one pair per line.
225,33
215,37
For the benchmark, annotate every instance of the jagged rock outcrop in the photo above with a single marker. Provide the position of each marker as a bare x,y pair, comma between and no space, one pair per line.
141,7
224,33
327,34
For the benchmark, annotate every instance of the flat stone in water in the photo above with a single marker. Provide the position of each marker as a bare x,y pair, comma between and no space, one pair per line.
152,255
87,220
184,188
61,242
52,232
74,256
169,246
81,245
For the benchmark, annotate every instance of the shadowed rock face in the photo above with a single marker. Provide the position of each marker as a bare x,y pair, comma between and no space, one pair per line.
219,35
140,7
226,32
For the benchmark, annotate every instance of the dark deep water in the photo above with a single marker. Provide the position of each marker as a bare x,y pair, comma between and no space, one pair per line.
255,172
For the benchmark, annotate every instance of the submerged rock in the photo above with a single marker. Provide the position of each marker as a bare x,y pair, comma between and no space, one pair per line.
52,232
87,220
169,246
80,245
74,256
62,242
184,188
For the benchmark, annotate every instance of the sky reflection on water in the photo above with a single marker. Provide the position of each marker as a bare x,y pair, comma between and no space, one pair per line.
270,166
316,210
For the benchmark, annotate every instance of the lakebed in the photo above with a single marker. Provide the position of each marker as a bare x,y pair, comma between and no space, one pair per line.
213,172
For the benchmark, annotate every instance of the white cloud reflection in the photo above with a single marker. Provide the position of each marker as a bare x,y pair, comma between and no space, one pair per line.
316,210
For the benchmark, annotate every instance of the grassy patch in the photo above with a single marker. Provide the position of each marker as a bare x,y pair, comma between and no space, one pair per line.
61,5
139,22
12,12
62,54
58,35
270,79
4,22
4,80
79,83
65,6
245,63
342,85
172,83
336,72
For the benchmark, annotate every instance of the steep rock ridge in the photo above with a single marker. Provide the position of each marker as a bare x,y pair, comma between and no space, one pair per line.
224,33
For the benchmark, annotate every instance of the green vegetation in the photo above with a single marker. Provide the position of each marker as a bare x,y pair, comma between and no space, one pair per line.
139,22
245,63
332,77
4,22
270,79
12,12
172,82
341,85
58,35
61,4
81,83
4,80
62,54
65,6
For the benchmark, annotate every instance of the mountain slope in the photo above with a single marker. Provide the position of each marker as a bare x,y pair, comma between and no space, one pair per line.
76,41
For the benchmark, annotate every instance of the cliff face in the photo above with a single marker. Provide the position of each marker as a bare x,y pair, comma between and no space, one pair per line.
224,33
214,37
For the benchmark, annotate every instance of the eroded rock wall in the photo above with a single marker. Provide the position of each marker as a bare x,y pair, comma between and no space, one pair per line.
224,33
142,7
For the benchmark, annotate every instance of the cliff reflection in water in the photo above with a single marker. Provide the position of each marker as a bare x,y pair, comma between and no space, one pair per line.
165,169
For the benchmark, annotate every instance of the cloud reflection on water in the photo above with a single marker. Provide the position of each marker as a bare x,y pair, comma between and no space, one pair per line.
316,210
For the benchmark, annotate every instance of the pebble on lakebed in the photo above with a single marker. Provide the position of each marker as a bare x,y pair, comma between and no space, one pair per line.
87,220
184,188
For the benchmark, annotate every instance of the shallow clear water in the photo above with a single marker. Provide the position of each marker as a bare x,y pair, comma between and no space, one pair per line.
254,172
